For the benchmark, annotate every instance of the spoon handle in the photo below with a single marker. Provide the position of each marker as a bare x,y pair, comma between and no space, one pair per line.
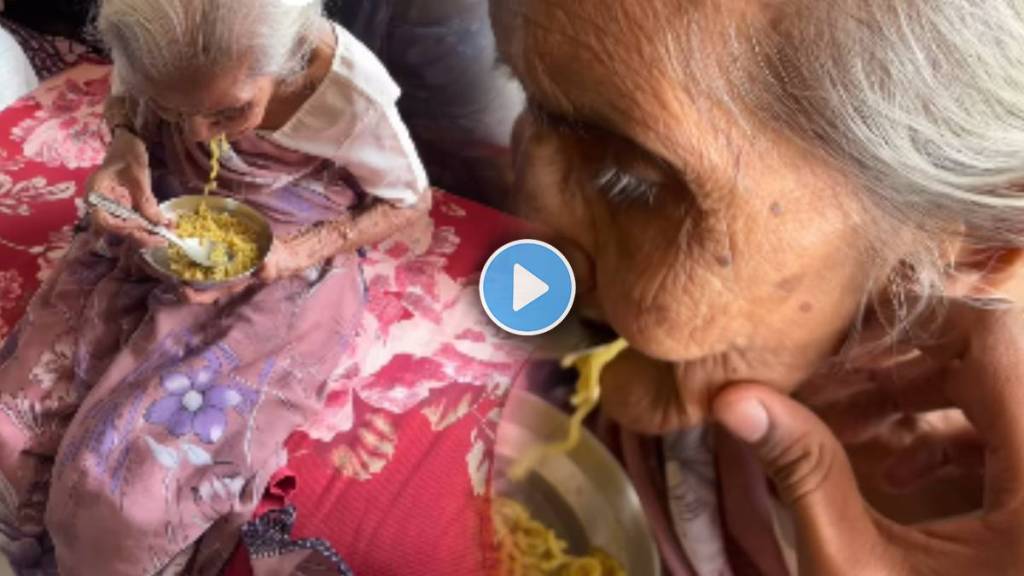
123,212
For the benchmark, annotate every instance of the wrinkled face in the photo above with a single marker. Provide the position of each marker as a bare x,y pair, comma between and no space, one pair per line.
703,237
207,105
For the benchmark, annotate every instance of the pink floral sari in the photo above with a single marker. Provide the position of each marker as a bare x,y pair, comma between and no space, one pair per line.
133,423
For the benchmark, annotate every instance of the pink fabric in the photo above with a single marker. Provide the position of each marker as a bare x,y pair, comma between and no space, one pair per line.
133,420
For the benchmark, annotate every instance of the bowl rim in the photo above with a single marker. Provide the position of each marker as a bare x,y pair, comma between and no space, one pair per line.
548,422
152,258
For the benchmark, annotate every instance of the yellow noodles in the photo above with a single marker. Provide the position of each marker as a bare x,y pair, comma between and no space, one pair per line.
217,146
590,364
239,239
237,242
528,548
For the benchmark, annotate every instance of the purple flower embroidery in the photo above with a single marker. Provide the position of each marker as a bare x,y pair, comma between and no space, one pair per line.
193,405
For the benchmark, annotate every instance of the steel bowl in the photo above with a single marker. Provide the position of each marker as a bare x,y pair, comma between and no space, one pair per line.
585,496
157,258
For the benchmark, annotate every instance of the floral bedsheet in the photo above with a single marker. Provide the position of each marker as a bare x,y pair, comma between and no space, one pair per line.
393,473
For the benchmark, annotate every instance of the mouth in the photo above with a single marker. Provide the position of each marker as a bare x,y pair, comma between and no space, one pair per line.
578,332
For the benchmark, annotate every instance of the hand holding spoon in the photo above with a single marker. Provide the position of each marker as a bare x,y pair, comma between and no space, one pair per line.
198,251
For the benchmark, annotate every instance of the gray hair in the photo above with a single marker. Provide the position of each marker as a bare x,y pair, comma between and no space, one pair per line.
154,39
922,102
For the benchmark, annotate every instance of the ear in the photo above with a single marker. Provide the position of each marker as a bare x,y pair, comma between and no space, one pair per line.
986,272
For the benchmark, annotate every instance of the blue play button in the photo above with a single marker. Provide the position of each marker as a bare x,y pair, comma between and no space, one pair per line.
527,287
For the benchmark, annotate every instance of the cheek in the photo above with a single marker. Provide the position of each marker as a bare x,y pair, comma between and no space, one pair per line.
662,294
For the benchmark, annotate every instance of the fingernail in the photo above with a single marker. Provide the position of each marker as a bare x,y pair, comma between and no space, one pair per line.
747,419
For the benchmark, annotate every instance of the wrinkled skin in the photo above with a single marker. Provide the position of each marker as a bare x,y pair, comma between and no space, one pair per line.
976,372
746,263
736,267
233,102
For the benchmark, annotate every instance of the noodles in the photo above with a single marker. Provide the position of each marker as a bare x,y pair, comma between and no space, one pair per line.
528,548
217,147
238,242
588,392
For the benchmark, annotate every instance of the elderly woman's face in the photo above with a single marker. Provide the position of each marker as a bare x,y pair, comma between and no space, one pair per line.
208,105
712,242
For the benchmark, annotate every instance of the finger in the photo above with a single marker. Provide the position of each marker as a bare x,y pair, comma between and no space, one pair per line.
910,387
144,239
145,202
986,385
202,297
946,444
811,473
267,272
108,222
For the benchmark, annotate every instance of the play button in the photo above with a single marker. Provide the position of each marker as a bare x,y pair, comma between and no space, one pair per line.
527,288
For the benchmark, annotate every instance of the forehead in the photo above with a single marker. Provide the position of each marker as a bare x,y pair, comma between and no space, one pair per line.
201,92
644,69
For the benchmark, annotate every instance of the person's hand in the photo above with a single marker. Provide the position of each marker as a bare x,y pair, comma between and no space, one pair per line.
125,178
284,260
895,408
213,295
281,262
979,370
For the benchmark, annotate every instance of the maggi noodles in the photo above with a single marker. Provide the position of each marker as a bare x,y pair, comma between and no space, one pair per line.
237,243
528,548
239,246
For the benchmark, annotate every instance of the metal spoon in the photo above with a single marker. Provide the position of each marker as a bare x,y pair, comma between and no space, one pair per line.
198,251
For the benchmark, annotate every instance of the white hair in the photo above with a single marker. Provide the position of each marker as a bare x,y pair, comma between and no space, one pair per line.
920,101
158,39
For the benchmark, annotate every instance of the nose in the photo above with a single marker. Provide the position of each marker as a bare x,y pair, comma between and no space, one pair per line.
199,129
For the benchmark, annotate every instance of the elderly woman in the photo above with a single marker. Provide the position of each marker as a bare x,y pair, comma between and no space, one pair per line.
124,398
788,194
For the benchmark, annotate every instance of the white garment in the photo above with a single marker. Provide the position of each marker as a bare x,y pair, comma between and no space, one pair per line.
691,479
17,77
353,119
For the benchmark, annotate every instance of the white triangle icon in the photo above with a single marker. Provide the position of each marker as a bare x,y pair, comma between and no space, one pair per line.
526,288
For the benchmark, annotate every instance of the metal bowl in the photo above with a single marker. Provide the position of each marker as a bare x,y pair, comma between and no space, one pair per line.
157,258
584,496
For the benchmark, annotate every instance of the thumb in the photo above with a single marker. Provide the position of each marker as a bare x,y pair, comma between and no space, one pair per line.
811,472
145,201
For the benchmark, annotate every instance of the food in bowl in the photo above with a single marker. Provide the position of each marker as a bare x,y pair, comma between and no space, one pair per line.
590,364
528,548
238,245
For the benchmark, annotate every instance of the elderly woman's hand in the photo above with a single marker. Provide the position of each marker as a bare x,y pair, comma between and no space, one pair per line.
125,178
839,533
285,259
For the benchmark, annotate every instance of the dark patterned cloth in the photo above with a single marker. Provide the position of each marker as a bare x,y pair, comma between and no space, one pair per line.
459,107
62,18
269,537
49,55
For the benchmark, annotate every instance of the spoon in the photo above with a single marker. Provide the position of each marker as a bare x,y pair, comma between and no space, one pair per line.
198,251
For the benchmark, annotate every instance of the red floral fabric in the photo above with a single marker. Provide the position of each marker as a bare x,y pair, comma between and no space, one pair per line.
393,473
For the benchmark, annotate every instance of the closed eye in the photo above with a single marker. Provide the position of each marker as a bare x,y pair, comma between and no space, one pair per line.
629,172
232,114
623,187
